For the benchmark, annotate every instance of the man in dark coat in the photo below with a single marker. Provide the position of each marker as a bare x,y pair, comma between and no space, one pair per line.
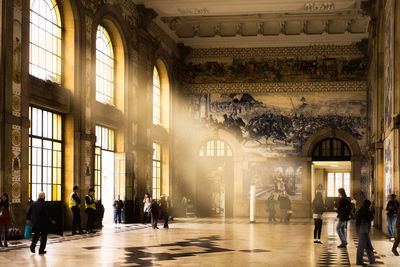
165,207
154,213
38,217
118,206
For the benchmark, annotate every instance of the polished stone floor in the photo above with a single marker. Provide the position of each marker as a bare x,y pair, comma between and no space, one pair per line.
203,242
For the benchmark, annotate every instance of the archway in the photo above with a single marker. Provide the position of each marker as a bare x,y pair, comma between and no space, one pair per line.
217,153
335,162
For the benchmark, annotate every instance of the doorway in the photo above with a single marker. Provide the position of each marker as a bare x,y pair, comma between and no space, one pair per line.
331,169
107,181
328,177
214,182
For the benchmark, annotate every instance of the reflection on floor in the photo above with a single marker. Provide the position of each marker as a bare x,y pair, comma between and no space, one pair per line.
206,242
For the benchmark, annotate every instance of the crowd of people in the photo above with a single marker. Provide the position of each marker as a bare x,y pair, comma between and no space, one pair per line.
39,219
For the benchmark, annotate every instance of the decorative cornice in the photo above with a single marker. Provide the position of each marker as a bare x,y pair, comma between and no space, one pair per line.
337,51
283,87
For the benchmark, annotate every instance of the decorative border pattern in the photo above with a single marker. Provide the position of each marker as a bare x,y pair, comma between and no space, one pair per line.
285,87
278,52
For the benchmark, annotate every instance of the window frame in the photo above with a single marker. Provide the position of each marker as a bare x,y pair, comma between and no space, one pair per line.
156,165
110,45
57,71
60,168
157,91
215,148
334,193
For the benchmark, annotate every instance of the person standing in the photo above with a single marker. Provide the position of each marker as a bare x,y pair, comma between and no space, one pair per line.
392,209
90,206
165,208
342,217
146,208
271,208
154,213
4,218
397,240
38,217
74,204
364,218
318,210
285,205
118,206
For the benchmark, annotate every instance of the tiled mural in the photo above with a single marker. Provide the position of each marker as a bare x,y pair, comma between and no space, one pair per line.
273,177
238,70
278,125
388,63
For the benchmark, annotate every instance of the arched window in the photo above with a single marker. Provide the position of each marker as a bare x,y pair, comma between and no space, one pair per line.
104,67
331,149
156,97
215,148
45,40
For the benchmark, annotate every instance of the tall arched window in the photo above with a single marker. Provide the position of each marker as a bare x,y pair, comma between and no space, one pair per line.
104,67
45,40
156,97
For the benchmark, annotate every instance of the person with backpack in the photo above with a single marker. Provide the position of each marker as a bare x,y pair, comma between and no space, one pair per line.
343,211
318,210
392,209
364,218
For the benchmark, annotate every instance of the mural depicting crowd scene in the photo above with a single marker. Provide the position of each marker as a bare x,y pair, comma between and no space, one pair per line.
273,177
279,125
276,70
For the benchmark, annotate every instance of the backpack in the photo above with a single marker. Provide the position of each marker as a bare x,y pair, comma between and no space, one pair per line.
351,210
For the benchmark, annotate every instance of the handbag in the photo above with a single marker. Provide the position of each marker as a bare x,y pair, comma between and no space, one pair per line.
28,231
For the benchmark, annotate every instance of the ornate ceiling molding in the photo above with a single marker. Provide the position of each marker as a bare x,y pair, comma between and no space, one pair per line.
283,87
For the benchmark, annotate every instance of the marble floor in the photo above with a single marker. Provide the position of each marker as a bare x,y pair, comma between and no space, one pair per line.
203,242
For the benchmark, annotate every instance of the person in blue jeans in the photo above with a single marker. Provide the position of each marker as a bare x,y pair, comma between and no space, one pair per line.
342,217
392,209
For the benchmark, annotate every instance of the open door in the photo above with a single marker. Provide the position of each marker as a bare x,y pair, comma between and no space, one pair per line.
120,181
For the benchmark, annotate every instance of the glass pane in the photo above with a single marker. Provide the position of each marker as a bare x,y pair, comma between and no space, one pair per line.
45,32
104,67
331,185
338,180
346,182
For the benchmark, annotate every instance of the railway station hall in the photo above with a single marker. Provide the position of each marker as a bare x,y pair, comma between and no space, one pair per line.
199,133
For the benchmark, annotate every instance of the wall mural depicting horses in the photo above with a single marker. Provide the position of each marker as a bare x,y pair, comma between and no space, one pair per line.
278,125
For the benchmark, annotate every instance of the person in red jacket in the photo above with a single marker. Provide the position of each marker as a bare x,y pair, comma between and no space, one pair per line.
4,218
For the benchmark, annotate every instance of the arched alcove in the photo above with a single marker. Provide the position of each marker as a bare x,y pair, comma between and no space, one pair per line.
348,160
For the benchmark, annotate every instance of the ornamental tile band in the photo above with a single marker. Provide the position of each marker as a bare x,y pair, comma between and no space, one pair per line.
287,87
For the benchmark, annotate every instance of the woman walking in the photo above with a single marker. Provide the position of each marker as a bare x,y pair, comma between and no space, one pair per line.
318,210
364,218
4,218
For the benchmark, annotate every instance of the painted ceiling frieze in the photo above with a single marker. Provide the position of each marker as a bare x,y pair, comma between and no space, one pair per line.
277,70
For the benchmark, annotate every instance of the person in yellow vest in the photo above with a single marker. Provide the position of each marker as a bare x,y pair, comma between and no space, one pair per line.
90,206
74,204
